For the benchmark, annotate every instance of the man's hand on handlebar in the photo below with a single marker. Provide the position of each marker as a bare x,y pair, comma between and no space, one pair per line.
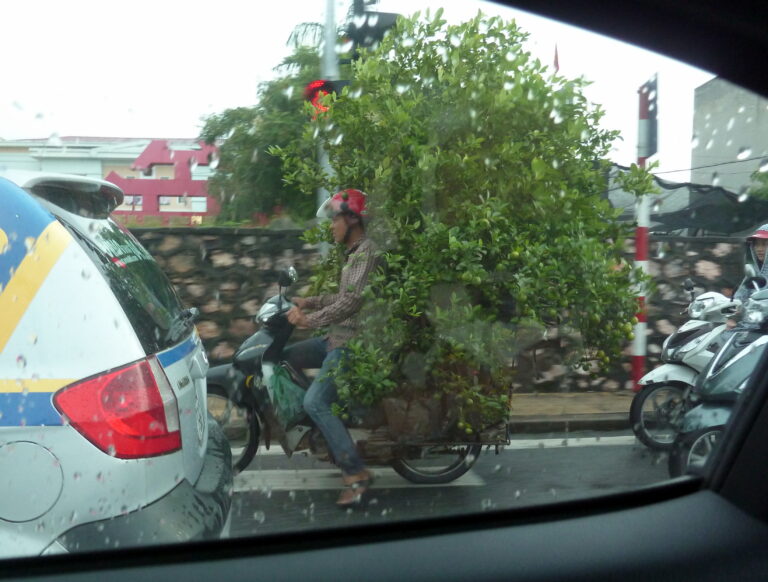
297,317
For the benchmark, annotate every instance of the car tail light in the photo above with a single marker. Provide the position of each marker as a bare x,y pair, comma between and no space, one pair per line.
129,412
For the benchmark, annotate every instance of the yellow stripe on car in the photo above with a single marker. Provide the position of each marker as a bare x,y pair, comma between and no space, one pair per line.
36,385
29,277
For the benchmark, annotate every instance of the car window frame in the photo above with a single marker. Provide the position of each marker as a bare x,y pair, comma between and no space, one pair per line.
728,497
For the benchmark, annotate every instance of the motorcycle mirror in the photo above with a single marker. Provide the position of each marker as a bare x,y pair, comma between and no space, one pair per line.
287,277
688,284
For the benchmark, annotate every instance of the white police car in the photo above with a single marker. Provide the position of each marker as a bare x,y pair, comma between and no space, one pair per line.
104,436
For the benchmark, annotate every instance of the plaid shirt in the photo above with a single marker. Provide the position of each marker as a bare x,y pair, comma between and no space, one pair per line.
340,311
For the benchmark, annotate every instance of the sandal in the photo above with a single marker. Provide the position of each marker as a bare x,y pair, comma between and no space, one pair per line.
361,492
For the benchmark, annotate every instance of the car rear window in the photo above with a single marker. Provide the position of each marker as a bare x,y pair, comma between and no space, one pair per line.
143,290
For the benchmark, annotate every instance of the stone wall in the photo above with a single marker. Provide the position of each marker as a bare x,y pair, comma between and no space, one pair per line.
228,273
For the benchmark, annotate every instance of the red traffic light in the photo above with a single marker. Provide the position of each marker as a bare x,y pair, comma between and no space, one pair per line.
316,90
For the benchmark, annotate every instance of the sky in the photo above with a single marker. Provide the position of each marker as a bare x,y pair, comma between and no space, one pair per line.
155,68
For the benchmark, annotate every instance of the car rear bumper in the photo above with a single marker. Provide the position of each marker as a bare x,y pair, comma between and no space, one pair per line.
188,512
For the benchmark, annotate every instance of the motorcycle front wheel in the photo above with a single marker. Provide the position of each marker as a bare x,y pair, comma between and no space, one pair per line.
691,451
436,464
655,414
240,425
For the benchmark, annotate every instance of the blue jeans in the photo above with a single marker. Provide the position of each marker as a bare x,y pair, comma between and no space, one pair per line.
320,396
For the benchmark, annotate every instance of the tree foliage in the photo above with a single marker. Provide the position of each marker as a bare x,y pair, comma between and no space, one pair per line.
485,173
248,178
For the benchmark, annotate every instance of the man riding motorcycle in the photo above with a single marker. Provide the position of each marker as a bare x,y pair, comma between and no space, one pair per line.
340,312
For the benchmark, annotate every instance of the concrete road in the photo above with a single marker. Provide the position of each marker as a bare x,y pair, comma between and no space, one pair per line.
280,494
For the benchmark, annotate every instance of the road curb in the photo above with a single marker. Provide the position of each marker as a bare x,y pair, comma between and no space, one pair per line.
567,423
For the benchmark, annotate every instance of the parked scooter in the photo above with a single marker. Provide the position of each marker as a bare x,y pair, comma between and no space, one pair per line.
719,387
239,398
657,409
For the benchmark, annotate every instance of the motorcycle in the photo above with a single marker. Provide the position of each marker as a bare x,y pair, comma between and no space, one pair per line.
240,398
657,409
719,389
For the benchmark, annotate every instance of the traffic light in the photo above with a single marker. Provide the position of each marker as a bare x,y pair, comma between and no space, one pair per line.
316,90
368,28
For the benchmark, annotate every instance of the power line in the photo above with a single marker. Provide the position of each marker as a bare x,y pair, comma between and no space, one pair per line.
714,165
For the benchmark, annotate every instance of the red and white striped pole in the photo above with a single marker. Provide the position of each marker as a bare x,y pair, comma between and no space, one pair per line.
642,212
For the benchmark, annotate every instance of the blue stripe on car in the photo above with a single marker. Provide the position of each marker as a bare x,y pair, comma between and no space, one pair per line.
179,352
30,409
21,222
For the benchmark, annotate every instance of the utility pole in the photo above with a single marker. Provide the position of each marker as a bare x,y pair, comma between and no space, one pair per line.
329,69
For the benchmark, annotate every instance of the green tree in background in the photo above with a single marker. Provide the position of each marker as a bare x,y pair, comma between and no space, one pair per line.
248,178
485,173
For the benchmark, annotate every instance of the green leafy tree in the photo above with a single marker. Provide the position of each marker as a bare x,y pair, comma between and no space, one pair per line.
485,173
759,187
248,178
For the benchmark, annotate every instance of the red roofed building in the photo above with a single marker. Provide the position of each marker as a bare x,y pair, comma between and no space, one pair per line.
170,181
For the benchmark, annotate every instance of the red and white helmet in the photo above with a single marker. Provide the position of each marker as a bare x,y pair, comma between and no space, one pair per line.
349,201
761,232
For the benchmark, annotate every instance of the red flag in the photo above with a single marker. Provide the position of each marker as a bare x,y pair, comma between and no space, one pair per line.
557,61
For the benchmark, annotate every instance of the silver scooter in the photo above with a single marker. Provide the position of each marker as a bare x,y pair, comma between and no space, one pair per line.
720,387
657,409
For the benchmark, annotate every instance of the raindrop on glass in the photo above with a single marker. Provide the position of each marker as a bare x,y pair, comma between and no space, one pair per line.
763,166
402,88
656,206
338,139
455,40
343,47
214,163
715,179
193,163
21,362
694,142
743,194
731,121
259,516
744,153
356,93
85,274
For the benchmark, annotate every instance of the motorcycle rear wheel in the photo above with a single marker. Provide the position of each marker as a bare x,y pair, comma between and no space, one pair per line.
435,465
691,451
240,425
655,413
